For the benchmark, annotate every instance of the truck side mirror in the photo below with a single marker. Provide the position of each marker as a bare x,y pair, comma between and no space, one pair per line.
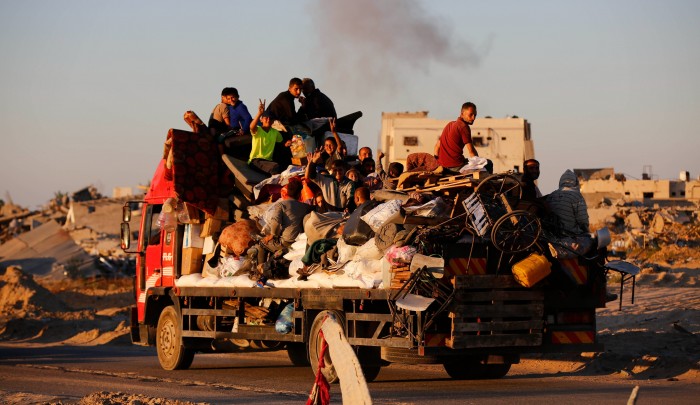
126,213
125,236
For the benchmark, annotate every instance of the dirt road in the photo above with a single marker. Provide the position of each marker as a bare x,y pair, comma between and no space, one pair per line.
68,373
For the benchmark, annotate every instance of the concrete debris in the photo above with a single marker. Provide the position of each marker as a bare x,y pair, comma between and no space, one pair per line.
76,236
638,226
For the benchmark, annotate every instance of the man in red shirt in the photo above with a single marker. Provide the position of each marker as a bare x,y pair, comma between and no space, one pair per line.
455,137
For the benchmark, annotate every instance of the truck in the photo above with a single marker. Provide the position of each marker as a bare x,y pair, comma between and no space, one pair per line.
476,318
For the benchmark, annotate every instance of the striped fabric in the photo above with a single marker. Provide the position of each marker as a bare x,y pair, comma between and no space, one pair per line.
569,206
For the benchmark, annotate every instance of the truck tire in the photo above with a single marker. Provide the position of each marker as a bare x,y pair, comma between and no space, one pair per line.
369,356
172,355
315,346
297,354
472,369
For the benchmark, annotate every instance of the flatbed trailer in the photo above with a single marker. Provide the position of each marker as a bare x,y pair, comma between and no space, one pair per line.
481,320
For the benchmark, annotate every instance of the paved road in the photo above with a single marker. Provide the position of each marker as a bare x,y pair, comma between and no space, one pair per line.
69,372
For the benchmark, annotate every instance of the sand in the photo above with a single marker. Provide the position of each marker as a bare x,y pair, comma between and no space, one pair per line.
657,337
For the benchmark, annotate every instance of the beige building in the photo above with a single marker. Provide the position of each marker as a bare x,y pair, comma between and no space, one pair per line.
506,141
599,183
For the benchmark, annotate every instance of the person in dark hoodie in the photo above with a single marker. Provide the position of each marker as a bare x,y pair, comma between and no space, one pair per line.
568,205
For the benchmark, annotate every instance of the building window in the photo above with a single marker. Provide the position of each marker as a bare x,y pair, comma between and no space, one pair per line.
479,141
673,193
682,193
627,193
648,195
410,141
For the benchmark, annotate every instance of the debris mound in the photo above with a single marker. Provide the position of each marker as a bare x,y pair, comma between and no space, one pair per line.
104,397
20,294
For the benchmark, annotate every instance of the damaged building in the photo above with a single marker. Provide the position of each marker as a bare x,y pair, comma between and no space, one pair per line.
597,184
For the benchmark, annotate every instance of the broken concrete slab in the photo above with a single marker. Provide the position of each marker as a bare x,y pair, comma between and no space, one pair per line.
38,250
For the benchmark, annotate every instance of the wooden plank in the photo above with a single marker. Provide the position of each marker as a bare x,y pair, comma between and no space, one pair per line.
485,281
354,316
497,311
289,337
499,295
496,326
472,341
217,312
413,220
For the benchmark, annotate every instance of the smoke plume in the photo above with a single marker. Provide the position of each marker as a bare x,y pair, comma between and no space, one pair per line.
378,43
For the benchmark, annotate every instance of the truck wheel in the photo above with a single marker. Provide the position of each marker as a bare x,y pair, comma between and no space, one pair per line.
472,369
297,354
172,355
315,347
370,358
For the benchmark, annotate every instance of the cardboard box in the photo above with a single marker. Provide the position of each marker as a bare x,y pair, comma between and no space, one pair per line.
192,261
193,213
300,161
211,226
222,210
208,245
191,238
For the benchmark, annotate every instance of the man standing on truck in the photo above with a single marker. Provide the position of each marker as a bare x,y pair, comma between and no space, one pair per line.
455,137
264,140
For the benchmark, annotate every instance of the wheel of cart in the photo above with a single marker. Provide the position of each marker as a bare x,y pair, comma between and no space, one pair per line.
369,356
490,211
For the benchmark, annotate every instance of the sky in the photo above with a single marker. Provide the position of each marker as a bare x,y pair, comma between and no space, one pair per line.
89,89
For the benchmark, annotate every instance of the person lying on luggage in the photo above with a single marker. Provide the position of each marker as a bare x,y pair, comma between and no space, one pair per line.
264,140
338,190
286,220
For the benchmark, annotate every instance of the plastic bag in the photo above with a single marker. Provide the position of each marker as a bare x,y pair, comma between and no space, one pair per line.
229,265
345,252
474,164
368,251
380,214
306,192
298,147
398,256
431,209
167,219
285,322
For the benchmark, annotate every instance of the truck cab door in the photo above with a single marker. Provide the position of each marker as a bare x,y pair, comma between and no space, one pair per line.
154,241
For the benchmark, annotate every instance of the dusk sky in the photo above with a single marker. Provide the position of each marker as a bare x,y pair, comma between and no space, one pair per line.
89,89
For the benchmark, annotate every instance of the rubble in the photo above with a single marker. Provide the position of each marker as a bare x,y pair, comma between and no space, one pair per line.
70,236
638,227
